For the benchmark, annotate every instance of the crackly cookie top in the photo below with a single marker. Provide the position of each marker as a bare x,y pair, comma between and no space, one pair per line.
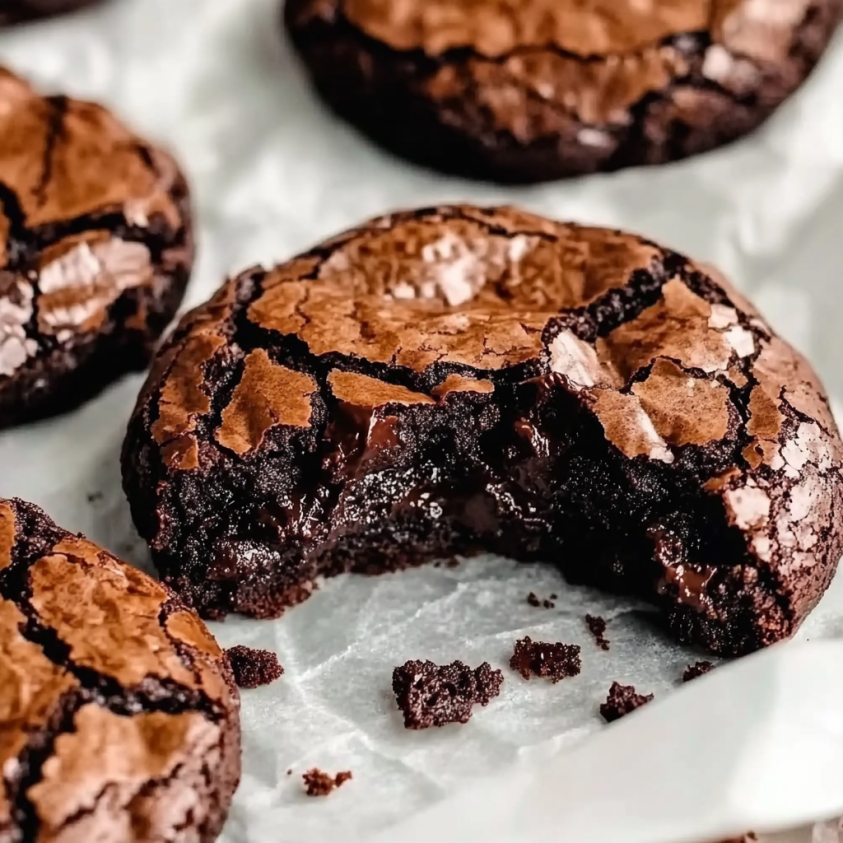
494,28
473,293
103,659
593,60
78,192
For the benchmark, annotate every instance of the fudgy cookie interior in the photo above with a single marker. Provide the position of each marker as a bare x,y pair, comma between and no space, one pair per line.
454,380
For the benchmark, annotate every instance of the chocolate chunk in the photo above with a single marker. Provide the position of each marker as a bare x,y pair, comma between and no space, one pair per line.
695,670
621,700
448,380
597,627
95,250
531,90
117,708
321,784
18,11
253,668
553,661
434,695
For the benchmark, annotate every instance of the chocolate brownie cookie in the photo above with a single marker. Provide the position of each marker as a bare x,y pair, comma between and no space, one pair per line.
119,719
95,250
453,378
17,11
530,90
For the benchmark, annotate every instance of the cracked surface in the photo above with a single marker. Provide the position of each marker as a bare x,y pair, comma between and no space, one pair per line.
119,717
18,11
95,250
447,380
530,90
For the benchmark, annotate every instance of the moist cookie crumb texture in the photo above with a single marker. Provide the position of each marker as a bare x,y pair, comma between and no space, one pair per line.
450,380
436,695
95,250
253,668
118,713
693,671
530,90
622,700
552,661
597,627
318,783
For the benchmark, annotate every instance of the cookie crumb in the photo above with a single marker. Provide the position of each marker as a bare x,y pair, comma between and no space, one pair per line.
321,784
253,668
435,695
553,661
597,627
534,600
453,562
290,772
93,497
695,670
622,700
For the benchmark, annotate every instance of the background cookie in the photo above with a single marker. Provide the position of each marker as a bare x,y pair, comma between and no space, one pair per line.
529,90
454,378
119,719
16,11
95,250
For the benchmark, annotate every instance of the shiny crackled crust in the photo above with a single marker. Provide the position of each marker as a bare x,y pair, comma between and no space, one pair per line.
530,90
95,250
450,379
18,11
119,719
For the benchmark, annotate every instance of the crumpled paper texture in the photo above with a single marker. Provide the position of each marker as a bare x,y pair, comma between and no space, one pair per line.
273,173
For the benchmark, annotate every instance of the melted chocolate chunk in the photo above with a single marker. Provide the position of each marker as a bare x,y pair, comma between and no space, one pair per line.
695,670
621,700
597,627
118,710
253,668
552,661
321,784
531,90
453,380
434,695
95,250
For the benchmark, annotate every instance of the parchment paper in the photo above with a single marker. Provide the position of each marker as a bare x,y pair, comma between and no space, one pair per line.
272,173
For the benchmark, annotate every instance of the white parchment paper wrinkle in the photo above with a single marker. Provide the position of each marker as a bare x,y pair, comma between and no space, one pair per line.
273,173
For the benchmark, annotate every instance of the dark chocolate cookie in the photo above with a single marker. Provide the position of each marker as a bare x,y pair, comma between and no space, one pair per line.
18,11
447,379
119,719
95,250
530,90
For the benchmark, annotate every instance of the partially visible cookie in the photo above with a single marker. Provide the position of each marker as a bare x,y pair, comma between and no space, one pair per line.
17,11
95,250
530,90
119,718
